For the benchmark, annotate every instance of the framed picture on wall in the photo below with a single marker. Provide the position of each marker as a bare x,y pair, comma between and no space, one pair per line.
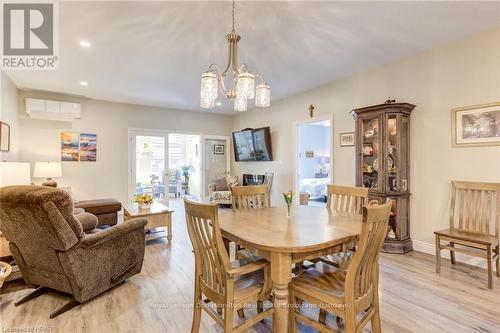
347,139
476,125
219,150
4,136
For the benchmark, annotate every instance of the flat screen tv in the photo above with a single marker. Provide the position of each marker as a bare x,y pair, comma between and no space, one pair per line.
253,145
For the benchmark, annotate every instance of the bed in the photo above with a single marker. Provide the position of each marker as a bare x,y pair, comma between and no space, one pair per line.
316,187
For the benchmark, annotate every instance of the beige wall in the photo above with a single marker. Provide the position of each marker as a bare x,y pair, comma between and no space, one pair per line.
464,73
9,114
108,176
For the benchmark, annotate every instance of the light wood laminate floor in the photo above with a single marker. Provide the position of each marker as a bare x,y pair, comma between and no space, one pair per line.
413,298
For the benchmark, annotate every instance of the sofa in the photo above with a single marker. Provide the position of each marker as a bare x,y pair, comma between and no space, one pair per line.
220,191
56,249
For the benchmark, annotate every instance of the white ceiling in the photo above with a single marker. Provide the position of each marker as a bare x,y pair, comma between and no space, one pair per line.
153,53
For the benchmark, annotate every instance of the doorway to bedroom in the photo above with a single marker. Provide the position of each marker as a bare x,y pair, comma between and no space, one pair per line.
313,164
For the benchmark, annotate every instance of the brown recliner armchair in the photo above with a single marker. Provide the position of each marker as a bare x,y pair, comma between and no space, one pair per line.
53,252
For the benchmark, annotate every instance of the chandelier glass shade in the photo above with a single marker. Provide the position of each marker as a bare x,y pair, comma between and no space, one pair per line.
242,82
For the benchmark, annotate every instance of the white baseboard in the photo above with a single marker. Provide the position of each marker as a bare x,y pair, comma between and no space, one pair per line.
428,248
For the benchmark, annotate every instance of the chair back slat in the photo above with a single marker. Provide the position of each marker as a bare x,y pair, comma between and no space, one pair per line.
250,197
211,257
475,207
363,269
346,199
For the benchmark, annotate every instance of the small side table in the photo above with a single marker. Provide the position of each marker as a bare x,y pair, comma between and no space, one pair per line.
158,215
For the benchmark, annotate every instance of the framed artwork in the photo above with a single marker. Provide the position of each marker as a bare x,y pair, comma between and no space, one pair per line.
309,153
69,146
219,150
88,147
4,136
347,139
476,125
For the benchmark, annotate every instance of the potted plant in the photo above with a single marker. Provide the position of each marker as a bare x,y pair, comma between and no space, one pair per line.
144,200
186,170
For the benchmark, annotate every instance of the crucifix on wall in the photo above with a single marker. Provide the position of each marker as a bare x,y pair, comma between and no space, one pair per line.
311,110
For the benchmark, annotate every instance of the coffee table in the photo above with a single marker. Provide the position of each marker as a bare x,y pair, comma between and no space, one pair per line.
158,216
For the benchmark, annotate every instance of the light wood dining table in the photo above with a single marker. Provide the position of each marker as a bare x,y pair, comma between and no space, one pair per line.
309,233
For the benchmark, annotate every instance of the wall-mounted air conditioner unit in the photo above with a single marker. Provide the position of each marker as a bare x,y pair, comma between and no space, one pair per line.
53,110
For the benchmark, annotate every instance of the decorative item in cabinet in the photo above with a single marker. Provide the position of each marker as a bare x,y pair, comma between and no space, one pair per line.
385,169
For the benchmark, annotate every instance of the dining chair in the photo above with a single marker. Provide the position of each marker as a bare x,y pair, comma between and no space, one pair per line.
229,286
346,293
344,199
474,224
250,197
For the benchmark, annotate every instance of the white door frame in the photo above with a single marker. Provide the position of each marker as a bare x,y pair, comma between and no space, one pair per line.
296,149
132,133
151,131
226,138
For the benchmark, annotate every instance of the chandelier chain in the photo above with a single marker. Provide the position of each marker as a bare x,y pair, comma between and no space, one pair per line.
233,16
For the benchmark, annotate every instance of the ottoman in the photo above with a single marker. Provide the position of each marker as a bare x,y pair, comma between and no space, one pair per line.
106,210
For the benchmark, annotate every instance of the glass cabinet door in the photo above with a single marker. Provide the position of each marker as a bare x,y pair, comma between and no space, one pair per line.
396,153
370,153
393,153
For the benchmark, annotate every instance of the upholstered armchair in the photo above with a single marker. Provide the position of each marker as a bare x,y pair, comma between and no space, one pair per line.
53,252
220,191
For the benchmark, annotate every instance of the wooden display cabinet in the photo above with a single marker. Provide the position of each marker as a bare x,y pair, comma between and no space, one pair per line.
383,165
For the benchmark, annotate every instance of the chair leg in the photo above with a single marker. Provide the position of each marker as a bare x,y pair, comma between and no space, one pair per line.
260,306
490,267
498,260
195,328
34,294
452,254
322,316
350,320
438,255
228,319
68,306
376,327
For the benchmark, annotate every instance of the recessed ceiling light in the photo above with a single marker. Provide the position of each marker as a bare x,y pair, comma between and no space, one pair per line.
218,103
84,83
84,43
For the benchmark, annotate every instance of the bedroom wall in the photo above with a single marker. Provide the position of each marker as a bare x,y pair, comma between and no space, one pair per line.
313,138
463,73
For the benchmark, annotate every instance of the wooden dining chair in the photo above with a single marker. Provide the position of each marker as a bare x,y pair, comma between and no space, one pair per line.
350,293
474,224
250,197
230,286
345,199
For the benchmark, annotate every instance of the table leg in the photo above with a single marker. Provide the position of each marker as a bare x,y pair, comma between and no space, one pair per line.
281,275
169,227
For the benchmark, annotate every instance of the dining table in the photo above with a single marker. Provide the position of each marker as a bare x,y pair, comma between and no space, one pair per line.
308,233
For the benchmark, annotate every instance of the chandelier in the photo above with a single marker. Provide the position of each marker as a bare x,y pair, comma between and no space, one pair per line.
242,86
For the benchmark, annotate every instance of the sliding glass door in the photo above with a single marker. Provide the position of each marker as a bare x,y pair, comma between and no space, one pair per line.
149,160
164,164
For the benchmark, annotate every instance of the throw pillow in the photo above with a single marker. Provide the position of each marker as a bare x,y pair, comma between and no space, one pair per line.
221,185
231,181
